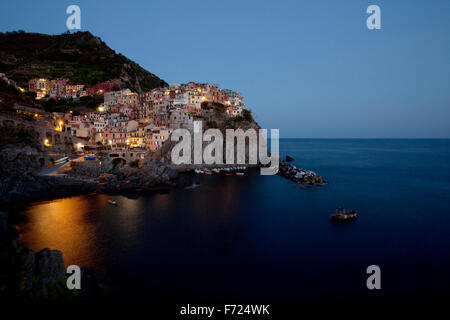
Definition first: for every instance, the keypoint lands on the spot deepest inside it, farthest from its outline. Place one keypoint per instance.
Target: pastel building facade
(180, 118)
(156, 138)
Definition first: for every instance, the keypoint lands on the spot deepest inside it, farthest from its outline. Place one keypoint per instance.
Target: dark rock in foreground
(44, 278)
(50, 272)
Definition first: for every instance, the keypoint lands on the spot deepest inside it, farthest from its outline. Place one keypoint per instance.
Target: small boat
(91, 157)
(206, 171)
(198, 171)
(228, 174)
(240, 173)
(341, 215)
(112, 201)
(61, 160)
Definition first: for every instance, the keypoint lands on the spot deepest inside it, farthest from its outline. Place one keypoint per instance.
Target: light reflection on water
(266, 237)
(81, 226)
(154, 229)
(66, 225)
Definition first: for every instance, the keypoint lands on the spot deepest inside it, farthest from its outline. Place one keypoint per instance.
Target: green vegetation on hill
(247, 115)
(80, 57)
(10, 96)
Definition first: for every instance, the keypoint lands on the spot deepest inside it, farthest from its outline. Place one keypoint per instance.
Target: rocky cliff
(213, 116)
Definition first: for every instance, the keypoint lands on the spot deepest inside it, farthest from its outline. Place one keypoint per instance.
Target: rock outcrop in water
(151, 175)
(298, 175)
(289, 159)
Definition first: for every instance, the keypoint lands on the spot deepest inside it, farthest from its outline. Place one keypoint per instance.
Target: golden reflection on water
(81, 227)
(61, 224)
(87, 228)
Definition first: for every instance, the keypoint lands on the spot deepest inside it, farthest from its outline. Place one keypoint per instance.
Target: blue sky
(310, 68)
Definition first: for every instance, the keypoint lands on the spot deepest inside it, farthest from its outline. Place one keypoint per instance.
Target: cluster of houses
(61, 88)
(128, 119)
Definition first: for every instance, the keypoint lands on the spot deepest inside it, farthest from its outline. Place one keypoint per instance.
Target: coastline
(252, 211)
(152, 177)
(32, 187)
(48, 266)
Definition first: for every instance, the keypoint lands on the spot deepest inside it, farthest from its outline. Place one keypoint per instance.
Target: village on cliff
(127, 120)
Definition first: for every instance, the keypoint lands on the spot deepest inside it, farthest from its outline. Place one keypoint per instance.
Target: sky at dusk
(310, 68)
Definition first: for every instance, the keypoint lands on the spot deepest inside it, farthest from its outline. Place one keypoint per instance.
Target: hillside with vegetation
(80, 57)
(10, 96)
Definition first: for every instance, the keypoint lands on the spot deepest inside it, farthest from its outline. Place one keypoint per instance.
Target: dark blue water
(264, 237)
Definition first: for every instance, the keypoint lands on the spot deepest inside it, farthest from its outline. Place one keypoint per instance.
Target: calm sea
(264, 237)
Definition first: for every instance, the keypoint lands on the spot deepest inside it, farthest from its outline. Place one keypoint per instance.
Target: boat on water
(198, 171)
(228, 174)
(112, 201)
(342, 215)
(206, 171)
(240, 173)
(216, 170)
(90, 157)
